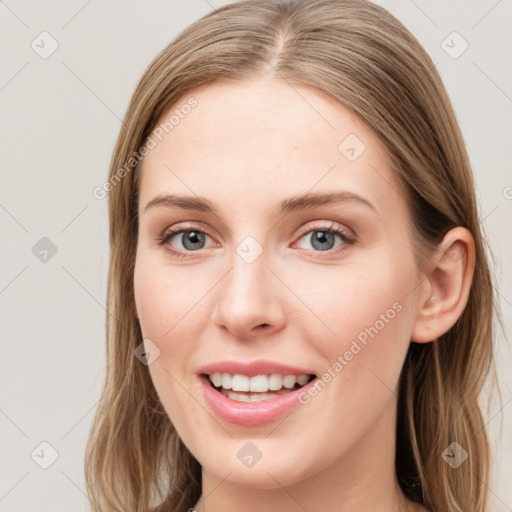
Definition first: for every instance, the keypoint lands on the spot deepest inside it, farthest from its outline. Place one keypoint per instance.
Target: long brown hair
(362, 56)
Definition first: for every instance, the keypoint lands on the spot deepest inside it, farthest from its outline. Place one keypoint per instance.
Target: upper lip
(253, 368)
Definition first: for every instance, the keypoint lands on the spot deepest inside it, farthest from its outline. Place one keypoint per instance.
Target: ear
(445, 291)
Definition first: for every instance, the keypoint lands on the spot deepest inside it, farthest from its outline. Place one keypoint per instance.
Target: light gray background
(59, 120)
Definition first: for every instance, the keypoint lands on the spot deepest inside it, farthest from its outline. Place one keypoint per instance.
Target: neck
(362, 478)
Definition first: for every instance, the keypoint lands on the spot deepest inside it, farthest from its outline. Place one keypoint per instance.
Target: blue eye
(322, 239)
(191, 239)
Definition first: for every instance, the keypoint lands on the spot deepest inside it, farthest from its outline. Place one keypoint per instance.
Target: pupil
(192, 239)
(322, 237)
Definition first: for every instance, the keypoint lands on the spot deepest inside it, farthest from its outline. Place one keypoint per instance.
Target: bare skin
(246, 147)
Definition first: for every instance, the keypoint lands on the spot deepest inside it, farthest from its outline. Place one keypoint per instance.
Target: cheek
(172, 306)
(370, 318)
(165, 316)
(163, 298)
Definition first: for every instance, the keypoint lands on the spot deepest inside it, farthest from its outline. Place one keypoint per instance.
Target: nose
(248, 304)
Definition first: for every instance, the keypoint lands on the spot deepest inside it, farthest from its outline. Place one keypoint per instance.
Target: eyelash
(167, 234)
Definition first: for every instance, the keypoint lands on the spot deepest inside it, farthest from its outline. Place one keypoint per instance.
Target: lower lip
(251, 414)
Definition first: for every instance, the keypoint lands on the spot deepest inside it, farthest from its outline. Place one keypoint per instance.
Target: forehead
(259, 141)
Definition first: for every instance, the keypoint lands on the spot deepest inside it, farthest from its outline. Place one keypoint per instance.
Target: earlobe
(448, 284)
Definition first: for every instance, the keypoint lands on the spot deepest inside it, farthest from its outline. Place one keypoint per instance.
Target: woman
(300, 304)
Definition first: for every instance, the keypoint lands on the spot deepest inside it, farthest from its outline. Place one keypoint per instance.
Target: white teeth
(240, 383)
(257, 383)
(302, 379)
(289, 381)
(216, 378)
(275, 382)
(226, 380)
(253, 397)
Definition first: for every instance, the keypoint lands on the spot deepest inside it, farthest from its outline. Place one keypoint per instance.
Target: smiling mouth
(240, 394)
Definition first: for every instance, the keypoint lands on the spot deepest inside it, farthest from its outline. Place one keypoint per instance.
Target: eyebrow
(291, 204)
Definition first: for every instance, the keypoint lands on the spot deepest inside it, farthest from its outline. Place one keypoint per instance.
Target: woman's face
(264, 278)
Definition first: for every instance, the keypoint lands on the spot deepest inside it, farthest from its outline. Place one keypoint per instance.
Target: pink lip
(254, 368)
(251, 414)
